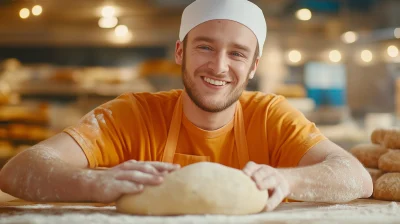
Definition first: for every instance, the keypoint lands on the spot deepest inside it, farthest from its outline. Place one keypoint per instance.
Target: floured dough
(199, 188)
(390, 161)
(387, 187)
(389, 138)
(375, 173)
(368, 154)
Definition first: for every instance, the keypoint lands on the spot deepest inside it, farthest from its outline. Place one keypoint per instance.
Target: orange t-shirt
(135, 126)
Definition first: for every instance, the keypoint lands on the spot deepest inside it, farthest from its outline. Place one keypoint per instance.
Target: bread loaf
(368, 154)
(389, 138)
(377, 136)
(390, 161)
(387, 187)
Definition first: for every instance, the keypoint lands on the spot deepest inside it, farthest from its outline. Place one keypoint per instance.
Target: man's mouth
(214, 81)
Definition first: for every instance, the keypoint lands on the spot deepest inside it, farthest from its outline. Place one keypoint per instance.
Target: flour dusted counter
(358, 211)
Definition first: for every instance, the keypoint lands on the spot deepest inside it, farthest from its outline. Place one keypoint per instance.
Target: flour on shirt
(97, 119)
(313, 135)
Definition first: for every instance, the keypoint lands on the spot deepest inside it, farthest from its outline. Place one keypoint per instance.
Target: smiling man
(139, 136)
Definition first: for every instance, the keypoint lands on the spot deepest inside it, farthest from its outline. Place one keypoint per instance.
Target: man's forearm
(39, 175)
(337, 179)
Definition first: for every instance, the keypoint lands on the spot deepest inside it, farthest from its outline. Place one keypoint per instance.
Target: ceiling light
(303, 14)
(24, 13)
(397, 33)
(392, 51)
(335, 56)
(37, 10)
(294, 56)
(108, 11)
(366, 55)
(349, 37)
(108, 22)
(121, 31)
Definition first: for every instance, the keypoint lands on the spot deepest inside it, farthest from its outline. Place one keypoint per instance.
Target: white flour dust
(95, 120)
(25, 175)
(92, 119)
(99, 117)
(297, 212)
(344, 184)
(107, 111)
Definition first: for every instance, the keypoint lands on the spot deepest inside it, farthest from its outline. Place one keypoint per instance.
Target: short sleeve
(103, 133)
(290, 134)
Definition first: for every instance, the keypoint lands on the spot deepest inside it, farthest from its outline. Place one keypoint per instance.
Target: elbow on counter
(357, 183)
(367, 184)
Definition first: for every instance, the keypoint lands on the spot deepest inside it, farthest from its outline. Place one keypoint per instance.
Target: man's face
(217, 60)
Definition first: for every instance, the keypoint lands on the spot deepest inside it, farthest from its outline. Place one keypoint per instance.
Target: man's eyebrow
(211, 40)
(241, 47)
(203, 38)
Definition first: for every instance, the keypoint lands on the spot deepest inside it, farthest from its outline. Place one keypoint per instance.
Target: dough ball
(387, 187)
(390, 161)
(368, 154)
(199, 188)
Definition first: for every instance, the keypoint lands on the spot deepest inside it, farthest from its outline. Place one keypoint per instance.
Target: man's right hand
(127, 178)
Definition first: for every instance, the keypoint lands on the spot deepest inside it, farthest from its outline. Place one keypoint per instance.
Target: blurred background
(335, 60)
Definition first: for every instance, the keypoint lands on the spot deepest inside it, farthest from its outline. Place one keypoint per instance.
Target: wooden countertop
(358, 211)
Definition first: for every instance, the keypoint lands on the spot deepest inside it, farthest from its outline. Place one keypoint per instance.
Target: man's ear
(179, 52)
(253, 70)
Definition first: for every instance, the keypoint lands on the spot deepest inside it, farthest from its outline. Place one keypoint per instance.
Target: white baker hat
(241, 11)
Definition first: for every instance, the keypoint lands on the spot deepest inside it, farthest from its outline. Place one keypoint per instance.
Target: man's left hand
(271, 179)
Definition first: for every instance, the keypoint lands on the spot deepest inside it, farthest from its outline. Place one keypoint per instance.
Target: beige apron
(173, 135)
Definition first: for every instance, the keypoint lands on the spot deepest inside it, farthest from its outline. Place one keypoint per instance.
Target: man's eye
(205, 47)
(237, 54)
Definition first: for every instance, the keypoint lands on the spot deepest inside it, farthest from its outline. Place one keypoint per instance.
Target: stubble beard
(199, 101)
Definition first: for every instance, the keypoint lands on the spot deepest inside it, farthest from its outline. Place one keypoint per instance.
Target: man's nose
(219, 63)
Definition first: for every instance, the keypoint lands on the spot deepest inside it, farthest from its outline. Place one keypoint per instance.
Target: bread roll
(368, 154)
(387, 187)
(377, 136)
(390, 161)
(389, 138)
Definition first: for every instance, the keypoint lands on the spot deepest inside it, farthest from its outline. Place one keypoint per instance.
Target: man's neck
(203, 119)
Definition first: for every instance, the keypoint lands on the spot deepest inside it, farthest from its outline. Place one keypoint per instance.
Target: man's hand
(269, 178)
(127, 178)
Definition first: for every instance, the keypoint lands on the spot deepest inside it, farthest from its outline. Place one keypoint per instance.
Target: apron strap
(240, 137)
(173, 133)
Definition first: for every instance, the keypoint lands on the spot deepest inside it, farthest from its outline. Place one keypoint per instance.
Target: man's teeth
(214, 82)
